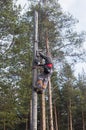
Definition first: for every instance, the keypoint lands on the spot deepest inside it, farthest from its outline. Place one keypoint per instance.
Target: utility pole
(34, 94)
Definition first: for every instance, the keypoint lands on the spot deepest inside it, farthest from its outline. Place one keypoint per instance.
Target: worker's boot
(39, 84)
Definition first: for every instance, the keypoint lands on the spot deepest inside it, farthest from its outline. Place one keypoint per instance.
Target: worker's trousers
(42, 80)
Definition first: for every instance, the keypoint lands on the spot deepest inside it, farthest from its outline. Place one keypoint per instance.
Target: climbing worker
(43, 77)
(48, 64)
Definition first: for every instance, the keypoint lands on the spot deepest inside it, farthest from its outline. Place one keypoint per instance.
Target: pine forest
(42, 28)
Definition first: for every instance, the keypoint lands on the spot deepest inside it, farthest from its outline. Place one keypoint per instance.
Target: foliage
(16, 62)
(16, 38)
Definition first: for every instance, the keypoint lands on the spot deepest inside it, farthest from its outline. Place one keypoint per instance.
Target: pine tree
(81, 103)
(15, 57)
(67, 96)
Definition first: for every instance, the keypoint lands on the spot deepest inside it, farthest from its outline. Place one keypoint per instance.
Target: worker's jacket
(48, 64)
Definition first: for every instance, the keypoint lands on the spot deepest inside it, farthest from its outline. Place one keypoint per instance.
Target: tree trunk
(43, 112)
(50, 105)
(31, 115)
(26, 124)
(4, 124)
(34, 94)
(70, 116)
(83, 120)
(68, 121)
(49, 82)
(47, 123)
(56, 121)
(49, 88)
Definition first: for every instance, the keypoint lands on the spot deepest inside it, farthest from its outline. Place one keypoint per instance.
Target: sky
(78, 9)
(22, 2)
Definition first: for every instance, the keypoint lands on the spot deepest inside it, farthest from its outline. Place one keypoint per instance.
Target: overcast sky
(78, 9)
